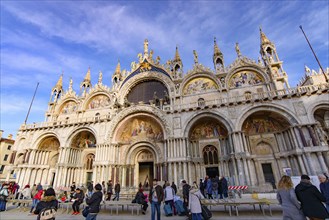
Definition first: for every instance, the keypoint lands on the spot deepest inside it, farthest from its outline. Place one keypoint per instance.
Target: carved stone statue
(71, 84)
(195, 57)
(237, 49)
(100, 77)
(307, 70)
(146, 49)
(133, 66)
(157, 61)
(151, 55)
(140, 58)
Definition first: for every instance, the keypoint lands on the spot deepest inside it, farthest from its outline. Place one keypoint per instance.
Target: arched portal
(47, 156)
(261, 130)
(208, 138)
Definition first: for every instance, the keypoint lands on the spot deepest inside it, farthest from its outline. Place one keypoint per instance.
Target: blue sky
(40, 39)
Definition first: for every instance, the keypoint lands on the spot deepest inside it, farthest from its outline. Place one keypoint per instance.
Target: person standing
(287, 198)
(90, 188)
(27, 192)
(194, 204)
(155, 198)
(214, 188)
(103, 190)
(324, 188)
(77, 200)
(94, 202)
(186, 191)
(209, 188)
(173, 185)
(224, 185)
(201, 185)
(169, 194)
(109, 190)
(311, 199)
(117, 191)
(4, 193)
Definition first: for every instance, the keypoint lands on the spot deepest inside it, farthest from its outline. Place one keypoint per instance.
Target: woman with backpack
(47, 206)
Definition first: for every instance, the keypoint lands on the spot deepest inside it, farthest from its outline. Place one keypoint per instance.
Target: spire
(59, 84)
(177, 56)
(217, 52)
(100, 77)
(118, 68)
(87, 77)
(218, 58)
(263, 38)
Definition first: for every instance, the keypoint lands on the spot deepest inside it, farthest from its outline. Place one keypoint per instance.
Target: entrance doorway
(89, 177)
(145, 173)
(212, 172)
(268, 174)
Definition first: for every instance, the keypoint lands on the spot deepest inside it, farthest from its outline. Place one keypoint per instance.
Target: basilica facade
(242, 121)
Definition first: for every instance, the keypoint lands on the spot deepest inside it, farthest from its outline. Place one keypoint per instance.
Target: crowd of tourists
(305, 200)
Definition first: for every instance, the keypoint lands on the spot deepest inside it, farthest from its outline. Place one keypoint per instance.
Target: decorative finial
(196, 61)
(237, 49)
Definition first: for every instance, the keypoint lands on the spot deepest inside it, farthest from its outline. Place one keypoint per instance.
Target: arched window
(89, 161)
(210, 155)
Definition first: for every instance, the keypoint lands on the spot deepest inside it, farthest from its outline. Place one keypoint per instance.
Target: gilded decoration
(140, 128)
(99, 101)
(49, 143)
(245, 78)
(69, 107)
(199, 84)
(208, 129)
(257, 125)
(84, 139)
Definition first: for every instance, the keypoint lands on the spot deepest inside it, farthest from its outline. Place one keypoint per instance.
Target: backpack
(48, 213)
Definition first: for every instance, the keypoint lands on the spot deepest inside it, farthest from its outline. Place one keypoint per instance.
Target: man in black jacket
(155, 198)
(94, 202)
(311, 199)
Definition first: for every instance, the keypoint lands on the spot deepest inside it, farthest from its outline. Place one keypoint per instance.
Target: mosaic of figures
(69, 107)
(50, 143)
(99, 101)
(84, 139)
(256, 125)
(140, 128)
(242, 79)
(208, 129)
(198, 85)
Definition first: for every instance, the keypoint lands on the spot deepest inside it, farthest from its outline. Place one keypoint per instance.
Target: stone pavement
(245, 213)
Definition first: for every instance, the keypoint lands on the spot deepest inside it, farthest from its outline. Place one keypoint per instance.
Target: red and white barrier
(238, 187)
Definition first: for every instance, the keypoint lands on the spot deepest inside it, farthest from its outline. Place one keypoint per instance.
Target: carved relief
(262, 149)
(199, 84)
(243, 79)
(145, 156)
(177, 122)
(299, 108)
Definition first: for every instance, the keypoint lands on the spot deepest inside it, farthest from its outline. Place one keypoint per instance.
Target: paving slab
(245, 213)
